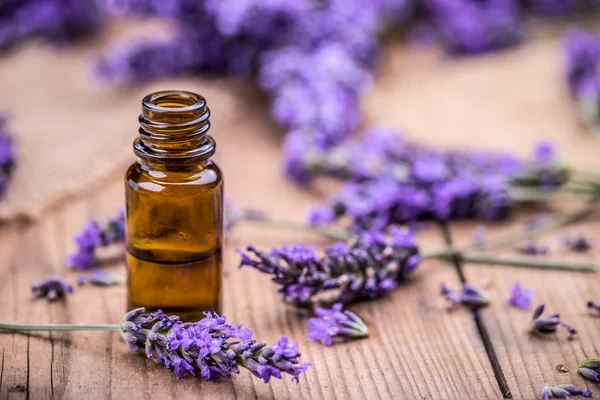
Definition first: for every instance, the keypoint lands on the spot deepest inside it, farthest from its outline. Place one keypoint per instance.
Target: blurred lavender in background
(55, 21)
(7, 155)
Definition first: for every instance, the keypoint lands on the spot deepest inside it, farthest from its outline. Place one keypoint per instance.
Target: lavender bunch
(590, 369)
(55, 21)
(335, 322)
(209, 348)
(7, 155)
(52, 288)
(363, 268)
(96, 234)
(581, 53)
(541, 326)
(564, 392)
(391, 181)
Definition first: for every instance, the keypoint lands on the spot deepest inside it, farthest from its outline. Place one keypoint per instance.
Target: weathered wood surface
(416, 349)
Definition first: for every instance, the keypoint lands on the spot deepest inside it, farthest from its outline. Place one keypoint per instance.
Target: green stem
(528, 262)
(58, 327)
(332, 232)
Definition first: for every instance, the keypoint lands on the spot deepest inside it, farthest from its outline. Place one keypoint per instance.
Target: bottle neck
(173, 129)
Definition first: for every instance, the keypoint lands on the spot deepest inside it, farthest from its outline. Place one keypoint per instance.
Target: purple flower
(593, 305)
(576, 242)
(96, 234)
(520, 297)
(590, 369)
(98, 277)
(469, 295)
(335, 322)
(545, 153)
(52, 288)
(209, 348)
(541, 326)
(532, 248)
(564, 392)
(365, 267)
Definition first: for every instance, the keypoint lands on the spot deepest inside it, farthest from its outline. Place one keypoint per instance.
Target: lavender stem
(59, 327)
(529, 262)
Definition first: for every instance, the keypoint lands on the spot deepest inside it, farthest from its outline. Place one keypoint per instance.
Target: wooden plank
(530, 362)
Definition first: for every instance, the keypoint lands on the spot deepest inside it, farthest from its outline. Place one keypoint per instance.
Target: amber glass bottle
(174, 197)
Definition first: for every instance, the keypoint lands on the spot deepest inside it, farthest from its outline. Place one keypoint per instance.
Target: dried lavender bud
(52, 288)
(362, 268)
(532, 248)
(209, 348)
(469, 295)
(99, 277)
(520, 297)
(593, 305)
(541, 326)
(96, 234)
(335, 322)
(576, 242)
(590, 369)
(563, 392)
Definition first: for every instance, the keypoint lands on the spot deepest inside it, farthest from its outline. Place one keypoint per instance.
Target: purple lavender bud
(576, 242)
(590, 369)
(541, 326)
(52, 288)
(593, 305)
(469, 296)
(520, 297)
(335, 322)
(564, 392)
(358, 269)
(545, 153)
(532, 248)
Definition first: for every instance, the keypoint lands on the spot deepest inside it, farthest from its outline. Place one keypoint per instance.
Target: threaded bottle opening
(173, 125)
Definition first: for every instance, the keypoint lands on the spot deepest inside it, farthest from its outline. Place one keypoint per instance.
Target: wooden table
(416, 350)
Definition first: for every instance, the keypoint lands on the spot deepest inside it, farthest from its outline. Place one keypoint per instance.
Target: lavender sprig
(362, 268)
(590, 369)
(52, 288)
(468, 295)
(593, 305)
(335, 322)
(96, 234)
(541, 326)
(209, 348)
(563, 392)
(576, 242)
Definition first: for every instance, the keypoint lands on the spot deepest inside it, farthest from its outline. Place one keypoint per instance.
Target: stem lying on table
(59, 327)
(528, 262)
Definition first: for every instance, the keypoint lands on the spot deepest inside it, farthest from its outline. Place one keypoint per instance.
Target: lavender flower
(335, 322)
(590, 369)
(468, 295)
(52, 288)
(520, 297)
(363, 268)
(54, 21)
(541, 326)
(593, 305)
(564, 392)
(532, 248)
(96, 234)
(7, 155)
(98, 277)
(467, 27)
(209, 348)
(577, 242)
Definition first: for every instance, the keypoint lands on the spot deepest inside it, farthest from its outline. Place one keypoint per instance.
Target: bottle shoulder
(142, 176)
